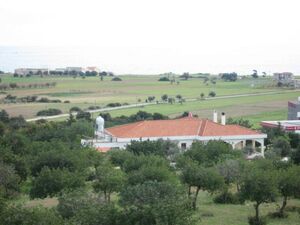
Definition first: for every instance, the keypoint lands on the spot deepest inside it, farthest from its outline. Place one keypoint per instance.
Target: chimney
(223, 119)
(215, 116)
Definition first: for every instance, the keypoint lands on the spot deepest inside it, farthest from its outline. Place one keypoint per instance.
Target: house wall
(184, 142)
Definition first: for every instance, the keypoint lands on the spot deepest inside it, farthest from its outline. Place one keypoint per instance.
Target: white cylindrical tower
(215, 116)
(223, 119)
(99, 131)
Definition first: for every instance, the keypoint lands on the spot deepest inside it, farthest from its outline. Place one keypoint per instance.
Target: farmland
(132, 89)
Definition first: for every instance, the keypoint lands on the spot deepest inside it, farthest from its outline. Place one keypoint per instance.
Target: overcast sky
(163, 35)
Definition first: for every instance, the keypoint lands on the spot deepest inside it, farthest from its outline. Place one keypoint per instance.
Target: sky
(155, 36)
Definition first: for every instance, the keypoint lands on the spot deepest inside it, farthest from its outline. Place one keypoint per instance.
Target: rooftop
(285, 124)
(188, 126)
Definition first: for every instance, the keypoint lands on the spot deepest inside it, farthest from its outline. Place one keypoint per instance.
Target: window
(183, 145)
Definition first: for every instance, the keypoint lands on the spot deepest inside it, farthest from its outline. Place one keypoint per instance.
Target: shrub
(75, 109)
(116, 79)
(117, 104)
(67, 101)
(44, 100)
(254, 221)
(164, 79)
(49, 112)
(227, 198)
(212, 94)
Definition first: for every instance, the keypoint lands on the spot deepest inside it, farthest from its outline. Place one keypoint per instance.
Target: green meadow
(91, 91)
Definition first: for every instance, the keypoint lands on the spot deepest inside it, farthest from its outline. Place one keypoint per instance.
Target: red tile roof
(103, 149)
(188, 126)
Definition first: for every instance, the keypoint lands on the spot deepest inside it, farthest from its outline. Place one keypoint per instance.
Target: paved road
(153, 103)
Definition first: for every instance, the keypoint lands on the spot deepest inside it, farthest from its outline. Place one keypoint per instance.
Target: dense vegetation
(151, 182)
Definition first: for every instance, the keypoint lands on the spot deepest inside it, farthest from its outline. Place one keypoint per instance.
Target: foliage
(296, 156)
(116, 79)
(155, 203)
(16, 215)
(51, 182)
(149, 172)
(288, 185)
(241, 122)
(71, 203)
(108, 180)
(281, 146)
(227, 198)
(212, 94)
(229, 76)
(160, 147)
(206, 179)
(259, 185)
(164, 79)
(211, 153)
(49, 112)
(9, 181)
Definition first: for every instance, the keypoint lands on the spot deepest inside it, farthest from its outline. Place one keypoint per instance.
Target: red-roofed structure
(184, 131)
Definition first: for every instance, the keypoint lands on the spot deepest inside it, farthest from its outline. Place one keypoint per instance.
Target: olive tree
(288, 185)
(260, 186)
(206, 179)
(108, 180)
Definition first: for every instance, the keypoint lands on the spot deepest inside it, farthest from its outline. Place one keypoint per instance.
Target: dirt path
(153, 103)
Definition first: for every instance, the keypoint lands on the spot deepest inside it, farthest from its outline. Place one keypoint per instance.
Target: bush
(254, 221)
(116, 79)
(279, 215)
(75, 109)
(117, 104)
(212, 94)
(164, 79)
(227, 198)
(44, 100)
(49, 112)
(67, 101)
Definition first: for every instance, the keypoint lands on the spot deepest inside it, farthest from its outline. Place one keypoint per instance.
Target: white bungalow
(183, 131)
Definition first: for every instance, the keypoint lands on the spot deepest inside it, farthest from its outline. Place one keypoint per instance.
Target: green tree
(16, 215)
(108, 180)
(212, 94)
(164, 97)
(155, 203)
(149, 172)
(281, 146)
(4, 117)
(206, 179)
(259, 185)
(296, 156)
(52, 182)
(288, 185)
(202, 95)
(9, 181)
(171, 100)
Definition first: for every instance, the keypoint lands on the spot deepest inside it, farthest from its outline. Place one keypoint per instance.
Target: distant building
(283, 77)
(92, 69)
(293, 122)
(31, 71)
(286, 125)
(286, 79)
(182, 131)
(75, 69)
(294, 110)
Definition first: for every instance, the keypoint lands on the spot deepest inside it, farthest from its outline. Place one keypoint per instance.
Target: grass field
(93, 92)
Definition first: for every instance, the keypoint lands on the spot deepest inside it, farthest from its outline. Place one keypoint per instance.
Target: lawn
(210, 213)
